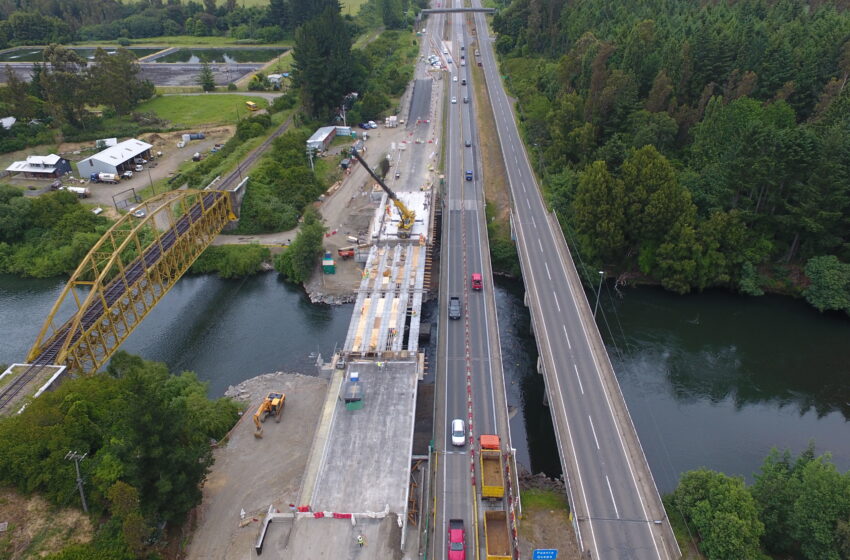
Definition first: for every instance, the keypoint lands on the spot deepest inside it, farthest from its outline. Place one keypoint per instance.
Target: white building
(41, 167)
(115, 159)
(322, 138)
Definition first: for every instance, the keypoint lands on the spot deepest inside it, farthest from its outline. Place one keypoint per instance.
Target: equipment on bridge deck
(272, 404)
(492, 470)
(407, 215)
(497, 537)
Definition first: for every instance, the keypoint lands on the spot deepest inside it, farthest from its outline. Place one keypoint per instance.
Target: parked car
(138, 168)
(127, 175)
(138, 212)
(364, 126)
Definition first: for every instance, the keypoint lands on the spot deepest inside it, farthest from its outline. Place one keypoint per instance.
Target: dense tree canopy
(300, 258)
(746, 105)
(147, 434)
(796, 508)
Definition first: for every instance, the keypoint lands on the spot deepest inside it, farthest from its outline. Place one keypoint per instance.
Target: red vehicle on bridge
(476, 281)
(457, 546)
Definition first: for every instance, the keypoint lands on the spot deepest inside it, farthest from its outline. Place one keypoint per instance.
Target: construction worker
(360, 541)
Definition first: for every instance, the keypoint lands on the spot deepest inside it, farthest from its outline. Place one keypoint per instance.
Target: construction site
(360, 478)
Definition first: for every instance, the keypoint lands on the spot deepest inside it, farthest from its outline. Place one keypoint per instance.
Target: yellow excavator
(272, 404)
(407, 215)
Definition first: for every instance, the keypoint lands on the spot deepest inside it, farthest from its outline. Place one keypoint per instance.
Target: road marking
(558, 305)
(547, 270)
(592, 429)
(527, 203)
(567, 337)
(616, 511)
(541, 244)
(523, 188)
(533, 223)
(581, 387)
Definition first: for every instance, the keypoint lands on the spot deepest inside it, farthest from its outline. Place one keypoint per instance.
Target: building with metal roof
(41, 167)
(115, 159)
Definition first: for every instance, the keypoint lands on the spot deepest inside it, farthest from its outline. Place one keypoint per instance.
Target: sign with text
(545, 554)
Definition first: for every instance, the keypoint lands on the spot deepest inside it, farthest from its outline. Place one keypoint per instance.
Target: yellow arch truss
(126, 273)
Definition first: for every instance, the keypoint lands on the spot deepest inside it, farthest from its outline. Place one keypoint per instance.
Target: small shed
(7, 122)
(322, 138)
(41, 167)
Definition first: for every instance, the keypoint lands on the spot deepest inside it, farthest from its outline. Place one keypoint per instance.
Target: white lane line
(592, 429)
(541, 244)
(547, 270)
(527, 203)
(581, 387)
(533, 223)
(558, 305)
(523, 188)
(616, 511)
(567, 337)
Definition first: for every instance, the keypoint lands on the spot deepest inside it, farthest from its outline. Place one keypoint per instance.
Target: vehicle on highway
(454, 99)
(457, 536)
(492, 468)
(463, 82)
(454, 307)
(497, 542)
(454, 79)
(469, 175)
(466, 100)
(445, 51)
(477, 284)
(468, 143)
(463, 63)
(458, 432)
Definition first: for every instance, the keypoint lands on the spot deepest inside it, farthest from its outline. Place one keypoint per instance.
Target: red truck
(476, 281)
(457, 545)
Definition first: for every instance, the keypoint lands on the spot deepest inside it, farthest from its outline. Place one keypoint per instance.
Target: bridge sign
(545, 554)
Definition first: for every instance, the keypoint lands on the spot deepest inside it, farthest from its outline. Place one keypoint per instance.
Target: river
(711, 380)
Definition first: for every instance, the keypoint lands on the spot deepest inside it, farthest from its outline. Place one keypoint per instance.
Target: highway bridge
(616, 507)
(457, 10)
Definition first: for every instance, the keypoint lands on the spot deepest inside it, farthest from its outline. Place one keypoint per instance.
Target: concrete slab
(366, 462)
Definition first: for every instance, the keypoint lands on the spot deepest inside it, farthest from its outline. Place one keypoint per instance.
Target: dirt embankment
(35, 527)
(545, 517)
(249, 473)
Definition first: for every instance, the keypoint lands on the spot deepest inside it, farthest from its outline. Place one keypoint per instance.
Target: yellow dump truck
(492, 471)
(497, 536)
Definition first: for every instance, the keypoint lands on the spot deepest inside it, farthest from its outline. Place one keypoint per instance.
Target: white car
(458, 432)
(454, 79)
(454, 99)
(138, 212)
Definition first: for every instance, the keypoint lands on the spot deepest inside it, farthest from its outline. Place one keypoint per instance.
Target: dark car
(468, 143)
(364, 126)
(469, 175)
(454, 307)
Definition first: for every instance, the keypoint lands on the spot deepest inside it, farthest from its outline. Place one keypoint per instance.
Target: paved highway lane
(607, 492)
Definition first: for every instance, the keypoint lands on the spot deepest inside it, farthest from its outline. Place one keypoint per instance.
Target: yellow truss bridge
(125, 274)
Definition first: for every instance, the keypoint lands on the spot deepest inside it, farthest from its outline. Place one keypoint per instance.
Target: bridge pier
(237, 195)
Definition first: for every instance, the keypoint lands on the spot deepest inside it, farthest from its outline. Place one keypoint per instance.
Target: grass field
(544, 499)
(208, 109)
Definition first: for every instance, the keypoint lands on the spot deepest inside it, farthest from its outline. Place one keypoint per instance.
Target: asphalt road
(469, 347)
(611, 489)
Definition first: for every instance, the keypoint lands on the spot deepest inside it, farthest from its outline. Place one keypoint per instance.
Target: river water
(711, 380)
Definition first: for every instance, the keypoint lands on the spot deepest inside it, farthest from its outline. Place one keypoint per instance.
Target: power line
(76, 457)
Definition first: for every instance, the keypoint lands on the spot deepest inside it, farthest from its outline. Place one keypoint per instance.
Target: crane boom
(408, 216)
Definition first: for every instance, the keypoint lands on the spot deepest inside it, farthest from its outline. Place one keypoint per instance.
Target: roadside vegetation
(231, 261)
(297, 262)
(46, 235)
(697, 147)
(798, 507)
(147, 436)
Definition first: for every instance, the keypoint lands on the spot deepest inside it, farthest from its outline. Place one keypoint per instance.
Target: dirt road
(250, 474)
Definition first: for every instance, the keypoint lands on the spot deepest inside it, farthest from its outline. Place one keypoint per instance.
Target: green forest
(695, 144)
(147, 436)
(797, 507)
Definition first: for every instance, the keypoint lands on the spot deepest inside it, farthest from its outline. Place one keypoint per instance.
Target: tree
(830, 283)
(206, 78)
(723, 512)
(299, 259)
(321, 60)
(64, 84)
(113, 80)
(598, 211)
(823, 501)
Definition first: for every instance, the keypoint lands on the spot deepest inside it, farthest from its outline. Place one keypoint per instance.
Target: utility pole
(310, 155)
(76, 457)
